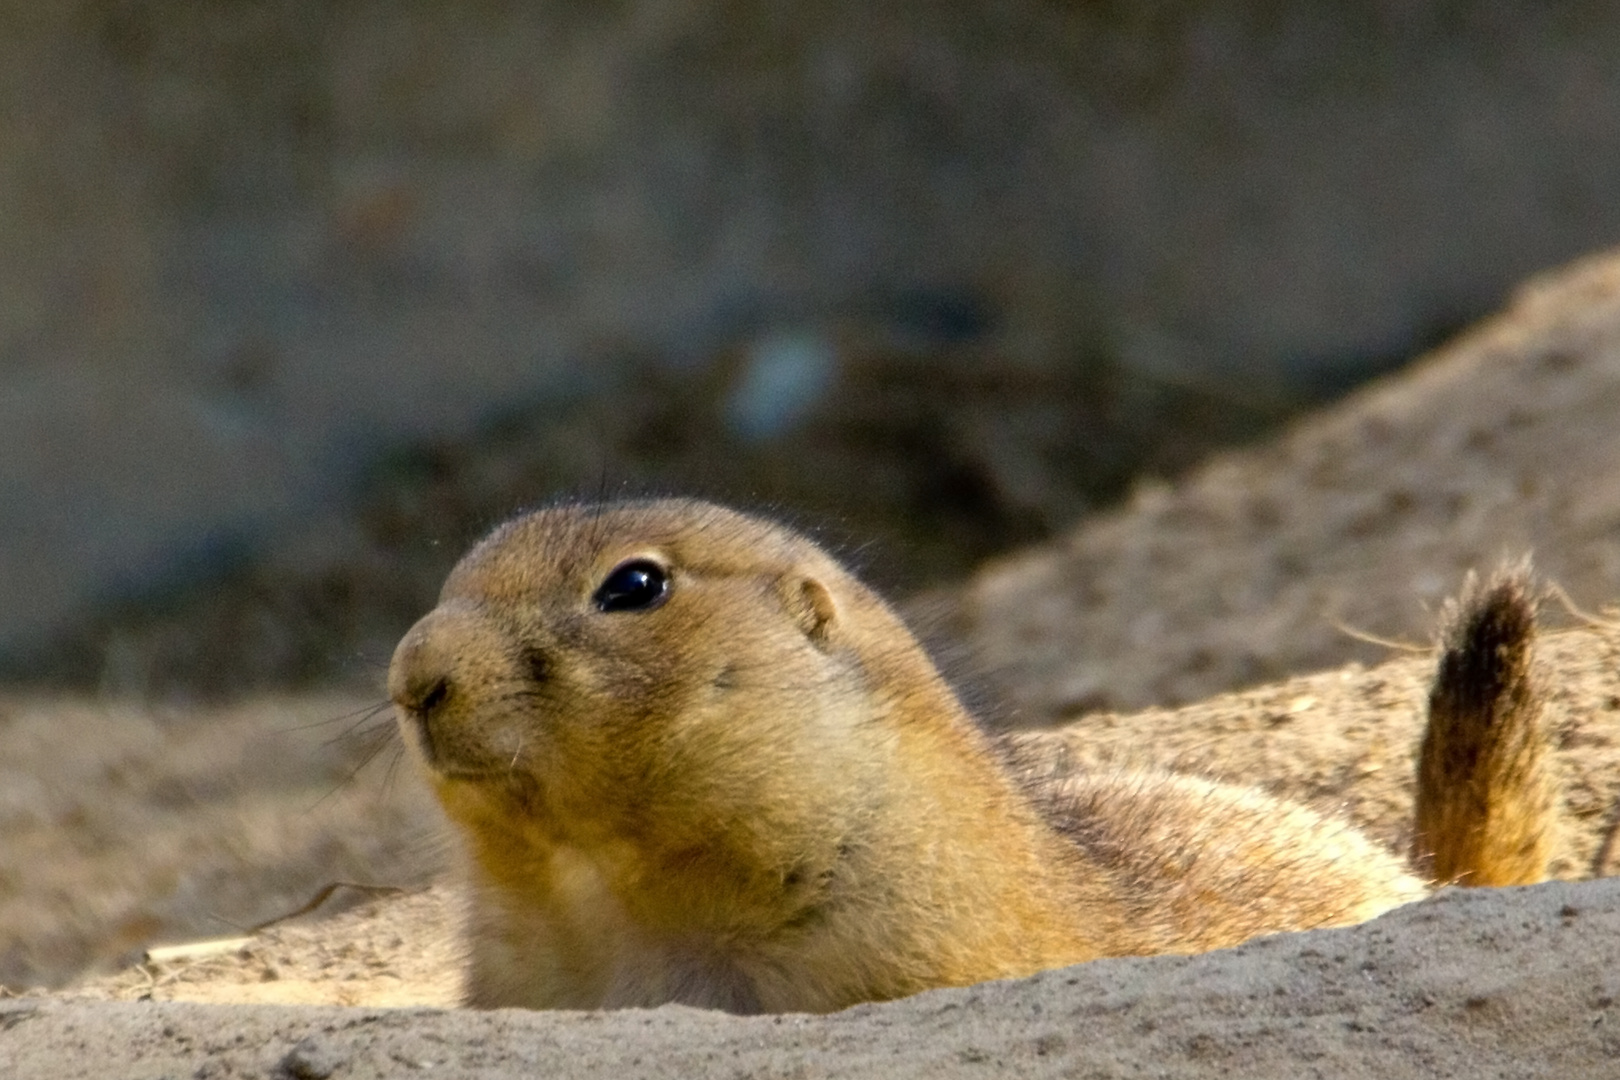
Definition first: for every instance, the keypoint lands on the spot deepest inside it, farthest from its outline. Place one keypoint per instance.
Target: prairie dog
(694, 760)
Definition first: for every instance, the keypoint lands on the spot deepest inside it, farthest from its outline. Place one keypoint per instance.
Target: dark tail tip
(1485, 797)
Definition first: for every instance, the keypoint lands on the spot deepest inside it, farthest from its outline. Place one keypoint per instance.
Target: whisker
(375, 740)
(365, 712)
(363, 727)
(393, 769)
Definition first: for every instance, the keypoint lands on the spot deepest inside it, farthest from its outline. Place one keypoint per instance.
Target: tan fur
(760, 795)
(1485, 793)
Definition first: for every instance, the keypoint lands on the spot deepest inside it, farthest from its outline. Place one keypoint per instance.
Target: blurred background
(297, 299)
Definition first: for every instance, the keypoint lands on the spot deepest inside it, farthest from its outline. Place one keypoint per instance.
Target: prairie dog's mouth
(449, 767)
(453, 756)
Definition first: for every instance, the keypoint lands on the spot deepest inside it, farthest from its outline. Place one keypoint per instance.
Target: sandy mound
(1503, 982)
(1507, 440)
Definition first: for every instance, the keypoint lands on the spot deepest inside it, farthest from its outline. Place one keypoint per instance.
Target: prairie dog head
(665, 674)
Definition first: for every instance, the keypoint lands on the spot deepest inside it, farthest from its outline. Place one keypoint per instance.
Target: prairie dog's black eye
(636, 585)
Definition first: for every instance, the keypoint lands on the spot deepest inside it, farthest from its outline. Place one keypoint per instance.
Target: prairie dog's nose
(447, 671)
(419, 675)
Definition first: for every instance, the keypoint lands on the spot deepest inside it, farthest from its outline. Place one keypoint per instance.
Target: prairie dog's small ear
(810, 605)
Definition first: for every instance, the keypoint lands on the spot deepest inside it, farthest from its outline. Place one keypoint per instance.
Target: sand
(1509, 982)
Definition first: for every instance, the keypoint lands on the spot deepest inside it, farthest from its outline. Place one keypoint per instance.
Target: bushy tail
(1486, 796)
